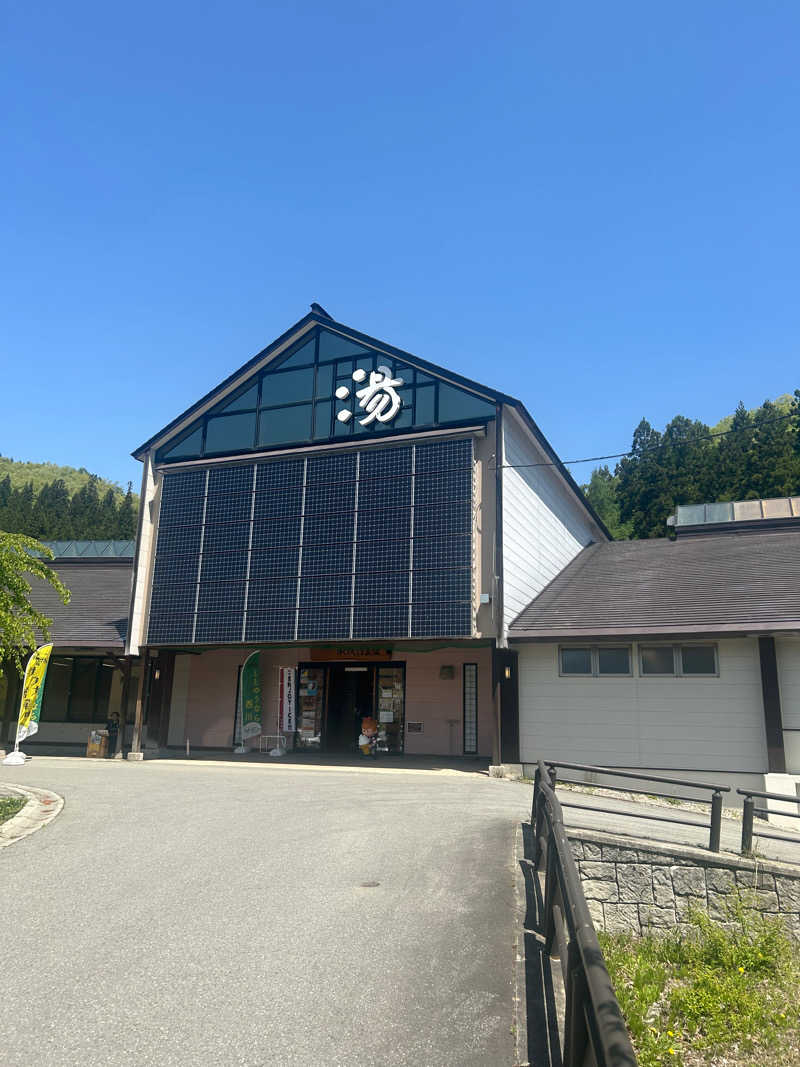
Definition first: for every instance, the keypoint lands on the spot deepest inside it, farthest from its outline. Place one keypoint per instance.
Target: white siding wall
(788, 652)
(544, 526)
(666, 723)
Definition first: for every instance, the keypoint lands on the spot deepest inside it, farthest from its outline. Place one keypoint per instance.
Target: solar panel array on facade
(366, 544)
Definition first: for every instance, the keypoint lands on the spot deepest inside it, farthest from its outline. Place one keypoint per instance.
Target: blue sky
(593, 207)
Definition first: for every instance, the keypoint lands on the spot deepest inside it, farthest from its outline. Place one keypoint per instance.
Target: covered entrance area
(334, 698)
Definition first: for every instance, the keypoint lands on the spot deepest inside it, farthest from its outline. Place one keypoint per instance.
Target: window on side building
(679, 661)
(698, 659)
(595, 661)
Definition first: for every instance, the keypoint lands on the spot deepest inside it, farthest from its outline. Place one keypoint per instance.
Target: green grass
(10, 806)
(721, 993)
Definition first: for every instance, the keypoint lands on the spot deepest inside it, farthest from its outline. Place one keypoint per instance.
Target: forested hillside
(748, 455)
(53, 513)
(21, 472)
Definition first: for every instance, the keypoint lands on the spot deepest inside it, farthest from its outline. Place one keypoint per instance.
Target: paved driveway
(188, 913)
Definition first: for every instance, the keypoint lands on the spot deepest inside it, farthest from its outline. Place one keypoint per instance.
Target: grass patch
(719, 994)
(10, 806)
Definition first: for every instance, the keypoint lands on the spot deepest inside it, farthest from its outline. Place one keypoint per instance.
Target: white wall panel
(669, 723)
(544, 526)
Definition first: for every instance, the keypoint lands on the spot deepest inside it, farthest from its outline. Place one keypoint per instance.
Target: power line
(652, 448)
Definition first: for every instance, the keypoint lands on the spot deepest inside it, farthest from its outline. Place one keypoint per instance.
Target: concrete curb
(41, 808)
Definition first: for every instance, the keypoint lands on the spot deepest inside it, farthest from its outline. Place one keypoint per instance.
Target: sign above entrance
(350, 652)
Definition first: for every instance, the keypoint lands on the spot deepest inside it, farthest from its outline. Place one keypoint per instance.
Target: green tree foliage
(20, 473)
(686, 464)
(602, 495)
(21, 625)
(55, 514)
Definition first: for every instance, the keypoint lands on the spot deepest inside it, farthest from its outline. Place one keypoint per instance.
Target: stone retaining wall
(639, 888)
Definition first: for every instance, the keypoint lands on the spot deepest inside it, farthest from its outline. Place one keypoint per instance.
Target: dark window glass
(322, 419)
(188, 448)
(657, 659)
(244, 401)
(324, 385)
(425, 400)
(455, 405)
(287, 387)
(613, 661)
(283, 425)
(332, 346)
(576, 661)
(229, 433)
(698, 659)
(81, 704)
(302, 356)
(56, 690)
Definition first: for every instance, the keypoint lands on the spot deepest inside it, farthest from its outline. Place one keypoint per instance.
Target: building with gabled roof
(672, 655)
(365, 518)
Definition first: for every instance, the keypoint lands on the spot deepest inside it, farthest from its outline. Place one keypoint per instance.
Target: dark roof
(97, 614)
(318, 316)
(732, 582)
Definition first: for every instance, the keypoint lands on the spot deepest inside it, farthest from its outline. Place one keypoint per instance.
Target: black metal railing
(715, 800)
(594, 1027)
(749, 811)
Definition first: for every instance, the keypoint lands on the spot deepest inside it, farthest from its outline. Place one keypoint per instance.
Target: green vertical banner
(251, 697)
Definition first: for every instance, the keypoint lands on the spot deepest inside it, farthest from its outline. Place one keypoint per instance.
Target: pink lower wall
(434, 701)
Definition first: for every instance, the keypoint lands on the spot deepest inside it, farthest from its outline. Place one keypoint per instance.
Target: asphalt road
(209, 914)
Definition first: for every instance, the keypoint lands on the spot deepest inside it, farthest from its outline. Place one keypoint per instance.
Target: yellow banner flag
(32, 692)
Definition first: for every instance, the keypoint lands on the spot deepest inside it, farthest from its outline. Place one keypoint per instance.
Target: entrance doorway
(351, 696)
(333, 698)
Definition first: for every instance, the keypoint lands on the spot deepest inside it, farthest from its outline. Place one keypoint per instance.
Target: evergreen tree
(772, 467)
(603, 496)
(85, 511)
(644, 492)
(731, 457)
(107, 517)
(126, 520)
(52, 512)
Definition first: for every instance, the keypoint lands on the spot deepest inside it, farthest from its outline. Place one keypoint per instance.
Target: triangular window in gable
(328, 388)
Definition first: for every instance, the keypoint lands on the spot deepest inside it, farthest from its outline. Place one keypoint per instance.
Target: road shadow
(544, 993)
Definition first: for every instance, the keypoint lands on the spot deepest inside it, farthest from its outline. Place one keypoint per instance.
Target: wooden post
(123, 706)
(136, 743)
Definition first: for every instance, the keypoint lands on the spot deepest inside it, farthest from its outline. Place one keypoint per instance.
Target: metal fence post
(575, 1032)
(747, 824)
(716, 821)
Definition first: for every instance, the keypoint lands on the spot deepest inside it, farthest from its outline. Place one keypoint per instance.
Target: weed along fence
(594, 1028)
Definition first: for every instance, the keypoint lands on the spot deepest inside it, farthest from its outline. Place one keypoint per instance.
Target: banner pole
(30, 705)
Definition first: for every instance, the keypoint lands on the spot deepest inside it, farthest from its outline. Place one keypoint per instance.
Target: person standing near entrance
(112, 726)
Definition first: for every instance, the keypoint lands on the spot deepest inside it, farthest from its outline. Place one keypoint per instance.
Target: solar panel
(363, 544)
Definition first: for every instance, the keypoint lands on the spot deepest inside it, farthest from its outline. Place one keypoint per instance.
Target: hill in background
(57, 503)
(38, 474)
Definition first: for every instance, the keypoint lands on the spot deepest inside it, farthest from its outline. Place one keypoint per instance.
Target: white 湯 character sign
(378, 397)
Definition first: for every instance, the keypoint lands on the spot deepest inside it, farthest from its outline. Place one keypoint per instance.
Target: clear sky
(593, 207)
